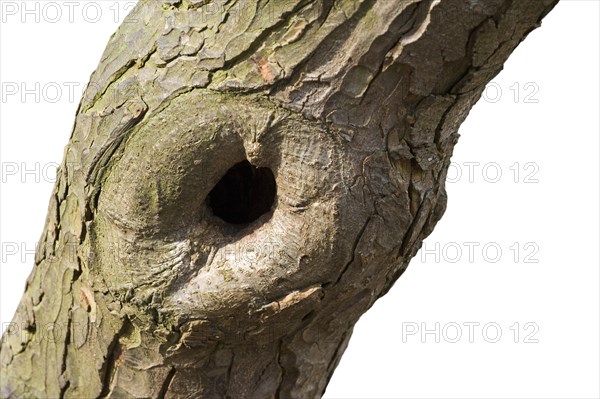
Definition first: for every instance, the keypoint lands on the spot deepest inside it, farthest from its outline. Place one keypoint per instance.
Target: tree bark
(141, 289)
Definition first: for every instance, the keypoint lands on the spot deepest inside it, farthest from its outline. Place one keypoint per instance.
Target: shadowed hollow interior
(243, 194)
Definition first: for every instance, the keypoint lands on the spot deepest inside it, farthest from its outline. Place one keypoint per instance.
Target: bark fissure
(165, 385)
(111, 362)
(354, 248)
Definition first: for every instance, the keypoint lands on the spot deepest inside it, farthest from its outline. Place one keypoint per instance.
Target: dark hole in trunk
(244, 194)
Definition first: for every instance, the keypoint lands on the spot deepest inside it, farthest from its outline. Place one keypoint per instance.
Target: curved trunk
(156, 280)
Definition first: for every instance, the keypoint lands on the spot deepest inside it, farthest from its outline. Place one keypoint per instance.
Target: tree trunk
(244, 179)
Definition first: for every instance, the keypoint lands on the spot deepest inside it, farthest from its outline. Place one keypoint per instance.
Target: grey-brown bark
(141, 291)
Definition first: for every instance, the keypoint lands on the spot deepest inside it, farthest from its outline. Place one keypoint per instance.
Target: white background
(544, 219)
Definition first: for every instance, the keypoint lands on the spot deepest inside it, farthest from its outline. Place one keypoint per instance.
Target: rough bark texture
(139, 290)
